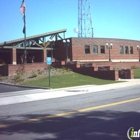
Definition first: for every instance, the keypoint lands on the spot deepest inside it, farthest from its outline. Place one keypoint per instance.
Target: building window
(121, 50)
(95, 49)
(102, 49)
(131, 50)
(87, 49)
(126, 50)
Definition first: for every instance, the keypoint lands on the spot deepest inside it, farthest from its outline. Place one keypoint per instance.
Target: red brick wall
(120, 65)
(8, 70)
(78, 49)
(60, 50)
(90, 71)
(109, 75)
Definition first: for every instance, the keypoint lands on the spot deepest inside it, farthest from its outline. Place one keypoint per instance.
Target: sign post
(49, 62)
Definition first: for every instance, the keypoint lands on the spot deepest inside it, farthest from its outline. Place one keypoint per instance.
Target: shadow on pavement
(96, 125)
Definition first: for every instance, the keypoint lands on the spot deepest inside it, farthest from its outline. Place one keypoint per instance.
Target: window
(102, 49)
(121, 50)
(87, 49)
(131, 50)
(95, 49)
(126, 50)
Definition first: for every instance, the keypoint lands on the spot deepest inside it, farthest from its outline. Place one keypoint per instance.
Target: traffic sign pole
(49, 76)
(49, 62)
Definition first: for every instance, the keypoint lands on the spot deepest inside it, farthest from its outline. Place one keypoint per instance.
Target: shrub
(34, 74)
(18, 78)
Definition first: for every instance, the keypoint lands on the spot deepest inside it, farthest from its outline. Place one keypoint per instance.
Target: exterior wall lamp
(66, 44)
(109, 46)
(52, 43)
(138, 48)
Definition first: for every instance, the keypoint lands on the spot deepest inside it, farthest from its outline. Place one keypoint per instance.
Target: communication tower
(85, 28)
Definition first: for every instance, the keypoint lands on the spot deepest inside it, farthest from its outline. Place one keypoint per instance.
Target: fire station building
(100, 51)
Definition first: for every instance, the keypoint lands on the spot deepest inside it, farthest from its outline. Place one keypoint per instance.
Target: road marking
(69, 113)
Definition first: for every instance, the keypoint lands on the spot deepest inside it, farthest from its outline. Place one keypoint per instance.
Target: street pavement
(8, 87)
(42, 94)
(105, 115)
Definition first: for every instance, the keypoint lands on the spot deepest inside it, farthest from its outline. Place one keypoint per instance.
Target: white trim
(112, 60)
(91, 60)
(125, 60)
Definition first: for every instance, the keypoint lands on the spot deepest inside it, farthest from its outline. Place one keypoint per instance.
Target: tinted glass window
(102, 49)
(87, 49)
(121, 50)
(95, 49)
(126, 50)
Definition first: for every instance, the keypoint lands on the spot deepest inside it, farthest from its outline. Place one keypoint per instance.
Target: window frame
(95, 49)
(102, 49)
(122, 50)
(132, 50)
(87, 49)
(126, 51)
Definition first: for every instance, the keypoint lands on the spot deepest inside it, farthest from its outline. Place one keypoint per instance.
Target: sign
(49, 60)
(132, 133)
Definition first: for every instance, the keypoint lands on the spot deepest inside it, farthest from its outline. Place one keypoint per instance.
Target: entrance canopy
(36, 40)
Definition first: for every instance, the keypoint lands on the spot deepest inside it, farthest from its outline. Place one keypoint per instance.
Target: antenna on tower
(85, 28)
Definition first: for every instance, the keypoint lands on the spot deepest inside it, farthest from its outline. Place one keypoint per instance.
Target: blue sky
(111, 18)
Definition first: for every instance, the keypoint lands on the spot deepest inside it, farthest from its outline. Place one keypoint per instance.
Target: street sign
(49, 60)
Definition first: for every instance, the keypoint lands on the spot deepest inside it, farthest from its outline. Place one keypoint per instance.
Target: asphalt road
(93, 116)
(11, 88)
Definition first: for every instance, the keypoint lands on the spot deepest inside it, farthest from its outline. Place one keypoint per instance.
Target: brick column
(14, 56)
(131, 74)
(44, 55)
(116, 75)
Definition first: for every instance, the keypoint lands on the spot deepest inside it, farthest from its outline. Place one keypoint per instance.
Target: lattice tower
(85, 28)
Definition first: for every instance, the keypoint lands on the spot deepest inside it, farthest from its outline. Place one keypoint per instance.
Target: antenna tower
(85, 28)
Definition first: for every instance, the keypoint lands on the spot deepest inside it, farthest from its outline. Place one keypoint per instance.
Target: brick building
(97, 50)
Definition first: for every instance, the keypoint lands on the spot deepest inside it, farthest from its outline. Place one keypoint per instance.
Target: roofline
(105, 38)
(35, 36)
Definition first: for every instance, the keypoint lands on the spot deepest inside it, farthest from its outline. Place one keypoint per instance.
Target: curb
(24, 86)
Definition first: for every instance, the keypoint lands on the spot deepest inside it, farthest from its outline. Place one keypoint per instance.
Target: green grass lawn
(68, 80)
(137, 73)
(73, 79)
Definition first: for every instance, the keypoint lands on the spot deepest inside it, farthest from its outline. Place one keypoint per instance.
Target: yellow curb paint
(69, 113)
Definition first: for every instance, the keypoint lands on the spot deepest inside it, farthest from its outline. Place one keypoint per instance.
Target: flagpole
(24, 31)
(25, 50)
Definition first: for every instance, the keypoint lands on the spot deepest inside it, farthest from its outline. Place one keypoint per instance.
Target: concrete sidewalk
(36, 95)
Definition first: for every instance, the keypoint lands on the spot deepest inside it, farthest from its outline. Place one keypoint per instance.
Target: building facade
(97, 49)
(97, 52)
